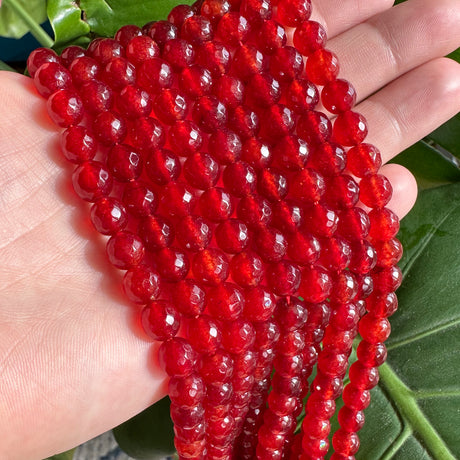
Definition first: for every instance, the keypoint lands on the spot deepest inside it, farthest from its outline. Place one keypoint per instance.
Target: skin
(73, 363)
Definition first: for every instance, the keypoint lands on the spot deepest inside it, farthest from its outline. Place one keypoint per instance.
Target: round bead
(160, 320)
(78, 144)
(201, 171)
(256, 10)
(83, 70)
(139, 199)
(382, 304)
(240, 179)
(225, 301)
(109, 128)
(233, 28)
(283, 278)
(264, 90)
(40, 56)
(314, 127)
(126, 33)
(203, 334)
(237, 336)
(247, 269)
(345, 442)
(229, 90)
(329, 159)
(69, 54)
(217, 367)
(209, 113)
(118, 73)
(316, 284)
(244, 122)
(232, 236)
(124, 163)
(179, 14)
(322, 67)
(216, 204)
(338, 96)
(155, 232)
(259, 304)
(96, 96)
(172, 264)
(179, 53)
(270, 36)
(371, 354)
(303, 248)
(162, 166)
(108, 216)
(210, 266)
(134, 102)
(350, 128)
(154, 74)
(375, 190)
(185, 137)
(147, 134)
(309, 37)
(197, 30)
(195, 81)
(356, 398)
(141, 284)
(193, 233)
(384, 224)
(105, 49)
(362, 377)
(161, 31)
(186, 391)
(92, 181)
(286, 64)
(51, 77)
(125, 250)
(65, 108)
(363, 159)
(225, 146)
(215, 56)
(189, 298)
(177, 358)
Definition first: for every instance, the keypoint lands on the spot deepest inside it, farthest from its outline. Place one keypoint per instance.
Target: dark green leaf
(148, 435)
(106, 16)
(429, 167)
(64, 456)
(68, 26)
(4, 66)
(448, 136)
(415, 411)
(455, 55)
(12, 26)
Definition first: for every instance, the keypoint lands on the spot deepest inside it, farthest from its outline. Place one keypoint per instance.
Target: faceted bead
(96, 96)
(263, 89)
(301, 96)
(270, 439)
(219, 452)
(134, 102)
(356, 398)
(291, 343)
(239, 179)
(389, 252)
(179, 14)
(272, 184)
(270, 36)
(316, 427)
(139, 199)
(364, 257)
(118, 73)
(65, 108)
(371, 354)
(363, 159)
(375, 190)
(332, 364)
(307, 185)
(287, 216)
(244, 121)
(256, 10)
(78, 144)
(217, 367)
(210, 266)
(229, 90)
(329, 159)
(219, 429)
(189, 417)
(338, 96)
(290, 153)
(329, 387)
(195, 81)
(124, 163)
(233, 28)
(108, 216)
(267, 331)
(293, 12)
(365, 287)
(201, 171)
(154, 74)
(197, 30)
(189, 298)
(185, 137)
(248, 61)
(320, 220)
(243, 367)
(382, 305)
(189, 450)
(215, 57)
(162, 166)
(316, 284)
(84, 69)
(350, 128)
(314, 127)
(237, 336)
(105, 50)
(256, 153)
(125, 250)
(177, 358)
(345, 317)
(216, 204)
(283, 278)
(362, 377)
(92, 181)
(270, 244)
(40, 56)
(232, 236)
(147, 134)
(288, 366)
(126, 33)
(384, 224)
(186, 391)
(320, 407)
(177, 200)
(170, 105)
(51, 77)
(203, 334)
(69, 54)
(309, 37)
(193, 233)
(140, 49)
(353, 224)
(254, 211)
(303, 248)
(345, 442)
(387, 279)
(259, 304)
(161, 31)
(160, 320)
(276, 121)
(335, 253)
(179, 53)
(209, 113)
(247, 269)
(279, 424)
(109, 128)
(345, 287)
(141, 284)
(322, 67)
(224, 146)
(215, 9)
(286, 64)
(172, 264)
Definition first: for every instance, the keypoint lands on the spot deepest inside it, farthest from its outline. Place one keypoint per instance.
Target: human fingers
(387, 45)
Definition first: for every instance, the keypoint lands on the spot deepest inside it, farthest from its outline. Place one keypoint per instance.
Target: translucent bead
(203, 333)
(185, 137)
(263, 89)
(384, 224)
(118, 73)
(51, 77)
(276, 121)
(362, 377)
(84, 69)
(210, 266)
(70, 53)
(162, 166)
(315, 447)
(328, 386)
(65, 108)
(387, 279)
(172, 264)
(354, 224)
(109, 128)
(244, 122)
(125, 250)
(320, 220)
(139, 199)
(216, 204)
(170, 105)
(186, 417)
(96, 96)
(215, 57)
(316, 284)
(256, 10)
(209, 113)
(40, 56)
(322, 67)
(224, 146)
(345, 442)
(160, 320)
(389, 252)
(154, 74)
(314, 127)
(233, 28)
(179, 14)
(363, 159)
(108, 216)
(161, 31)
(284, 278)
(382, 304)
(338, 96)
(189, 298)
(329, 159)
(215, 9)
(267, 331)
(375, 191)
(356, 398)
(91, 181)
(193, 233)
(309, 36)
(248, 61)
(364, 257)
(177, 358)
(237, 336)
(141, 284)
(217, 367)
(134, 102)
(232, 236)
(335, 253)
(124, 163)
(197, 30)
(179, 53)
(225, 301)
(259, 304)
(106, 49)
(126, 33)
(303, 248)
(247, 269)
(371, 354)
(195, 81)
(286, 64)
(78, 144)
(316, 427)
(239, 179)
(177, 199)
(270, 244)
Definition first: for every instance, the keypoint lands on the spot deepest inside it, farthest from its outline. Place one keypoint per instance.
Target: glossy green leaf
(64, 456)
(448, 136)
(12, 25)
(66, 19)
(415, 410)
(428, 165)
(455, 55)
(106, 16)
(149, 435)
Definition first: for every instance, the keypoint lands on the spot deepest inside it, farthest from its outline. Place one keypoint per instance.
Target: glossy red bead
(247, 269)
(160, 320)
(139, 199)
(65, 108)
(50, 77)
(316, 284)
(78, 144)
(233, 28)
(172, 264)
(309, 36)
(322, 67)
(125, 250)
(210, 266)
(177, 358)
(40, 56)
(141, 284)
(193, 233)
(108, 216)
(189, 298)
(91, 181)
(203, 333)
(162, 166)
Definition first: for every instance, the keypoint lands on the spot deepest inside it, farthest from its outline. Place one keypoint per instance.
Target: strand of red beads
(226, 193)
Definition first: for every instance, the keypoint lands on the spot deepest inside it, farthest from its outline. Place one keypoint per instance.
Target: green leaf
(5, 66)
(455, 55)
(429, 166)
(106, 16)
(448, 136)
(148, 435)
(66, 19)
(12, 25)
(414, 412)
(64, 456)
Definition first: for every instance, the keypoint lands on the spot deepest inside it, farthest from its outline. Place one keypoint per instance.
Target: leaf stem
(407, 404)
(398, 443)
(35, 29)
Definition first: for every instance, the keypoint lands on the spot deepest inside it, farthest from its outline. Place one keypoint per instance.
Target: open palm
(72, 363)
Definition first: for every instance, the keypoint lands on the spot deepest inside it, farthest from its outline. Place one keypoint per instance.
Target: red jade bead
(78, 144)
(322, 67)
(40, 56)
(309, 36)
(350, 128)
(65, 108)
(160, 320)
(109, 216)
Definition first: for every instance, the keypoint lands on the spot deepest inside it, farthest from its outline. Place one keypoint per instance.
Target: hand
(71, 362)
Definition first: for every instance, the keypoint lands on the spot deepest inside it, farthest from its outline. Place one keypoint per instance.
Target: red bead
(185, 417)
(256, 10)
(233, 28)
(263, 89)
(51, 77)
(239, 179)
(203, 334)
(338, 96)
(186, 391)
(248, 61)
(126, 33)
(320, 220)
(124, 163)
(244, 121)
(287, 216)
(316, 284)
(335, 253)
(118, 73)
(314, 127)
(78, 144)
(384, 224)
(139, 199)
(147, 134)
(322, 67)
(256, 153)
(362, 377)
(309, 37)
(319, 407)
(96, 96)
(69, 54)
(125, 250)
(278, 424)
(284, 278)
(363, 159)
(108, 216)
(209, 113)
(210, 266)
(162, 166)
(179, 53)
(172, 264)
(161, 31)
(375, 191)
(65, 108)
(134, 102)
(179, 14)
(224, 146)
(40, 56)
(216, 204)
(387, 279)
(356, 398)
(345, 287)
(389, 252)
(267, 331)
(382, 304)
(141, 284)
(286, 64)
(215, 9)
(345, 442)
(154, 74)
(259, 304)
(315, 447)
(92, 181)
(177, 199)
(232, 236)
(307, 186)
(237, 336)
(371, 354)
(215, 368)
(105, 49)
(189, 298)
(332, 364)
(229, 90)
(84, 69)
(276, 121)
(185, 137)
(293, 12)
(109, 128)
(316, 427)
(350, 128)
(354, 224)
(197, 30)
(363, 257)
(177, 358)
(329, 159)
(270, 244)
(201, 171)
(215, 57)
(247, 269)
(193, 233)
(219, 429)
(272, 184)
(160, 320)
(270, 36)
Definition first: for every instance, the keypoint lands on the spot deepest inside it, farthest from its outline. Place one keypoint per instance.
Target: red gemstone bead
(364, 257)
(382, 304)
(209, 113)
(248, 61)
(229, 90)
(141, 284)
(237, 336)
(350, 128)
(389, 252)
(362, 377)
(263, 90)
(384, 224)
(316, 284)
(210, 266)
(345, 442)
(40, 56)
(216, 204)
(109, 128)
(270, 244)
(293, 12)
(215, 56)
(189, 298)
(197, 30)
(259, 304)
(139, 199)
(320, 220)
(177, 199)
(270, 36)
(225, 146)
(247, 269)
(105, 49)
(203, 333)
(356, 398)
(185, 137)
(92, 181)
(84, 69)
(233, 28)
(172, 264)
(96, 96)
(154, 74)
(371, 354)
(125, 250)
(284, 278)
(387, 279)
(69, 54)
(126, 33)
(51, 77)
(118, 73)
(286, 64)
(375, 190)
(256, 10)
(162, 166)
(316, 427)
(161, 31)
(314, 127)
(177, 358)
(239, 179)
(108, 216)
(186, 391)
(309, 37)
(193, 233)
(78, 144)
(65, 108)
(232, 236)
(215, 9)
(322, 67)
(201, 171)
(329, 159)
(244, 121)
(124, 163)
(160, 320)
(316, 447)
(335, 253)
(354, 224)
(215, 368)
(134, 102)
(186, 418)
(303, 248)
(147, 134)
(179, 14)
(338, 96)
(179, 53)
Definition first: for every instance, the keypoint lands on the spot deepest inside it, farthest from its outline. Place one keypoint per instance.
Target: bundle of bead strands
(231, 202)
